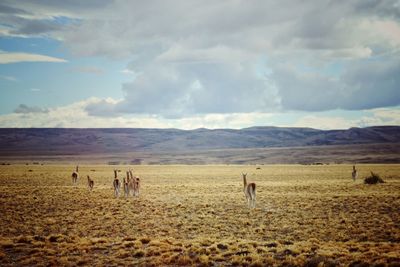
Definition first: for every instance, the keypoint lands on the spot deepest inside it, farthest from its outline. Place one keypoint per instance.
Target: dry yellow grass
(197, 215)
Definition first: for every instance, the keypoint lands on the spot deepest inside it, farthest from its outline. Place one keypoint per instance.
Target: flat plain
(197, 215)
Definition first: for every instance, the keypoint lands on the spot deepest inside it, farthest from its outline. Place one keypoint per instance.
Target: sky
(199, 64)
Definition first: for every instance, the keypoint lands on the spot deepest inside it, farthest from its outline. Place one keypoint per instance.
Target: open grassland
(197, 215)
(336, 154)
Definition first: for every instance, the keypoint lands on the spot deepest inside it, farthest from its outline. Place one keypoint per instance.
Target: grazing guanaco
(116, 184)
(126, 185)
(137, 186)
(75, 176)
(249, 191)
(134, 184)
(354, 173)
(90, 183)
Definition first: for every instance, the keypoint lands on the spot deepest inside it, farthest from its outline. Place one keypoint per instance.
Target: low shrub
(373, 179)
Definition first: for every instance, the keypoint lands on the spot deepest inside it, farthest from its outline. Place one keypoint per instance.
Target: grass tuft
(222, 246)
(183, 260)
(373, 179)
(53, 238)
(6, 244)
(145, 240)
(139, 253)
(24, 239)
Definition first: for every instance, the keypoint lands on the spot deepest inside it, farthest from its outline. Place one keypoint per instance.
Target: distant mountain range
(62, 141)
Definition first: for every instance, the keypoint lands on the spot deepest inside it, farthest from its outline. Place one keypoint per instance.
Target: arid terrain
(197, 215)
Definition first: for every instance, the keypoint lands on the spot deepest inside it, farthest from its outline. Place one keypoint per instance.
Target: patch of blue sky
(63, 20)
(37, 45)
(48, 84)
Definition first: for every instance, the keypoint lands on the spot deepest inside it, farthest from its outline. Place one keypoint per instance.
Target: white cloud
(384, 31)
(326, 123)
(75, 115)
(185, 90)
(366, 84)
(223, 55)
(8, 57)
(381, 116)
(24, 109)
(192, 58)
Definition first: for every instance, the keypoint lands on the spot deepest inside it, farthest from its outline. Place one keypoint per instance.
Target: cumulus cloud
(381, 116)
(189, 89)
(102, 107)
(373, 117)
(193, 58)
(213, 63)
(325, 123)
(365, 84)
(75, 115)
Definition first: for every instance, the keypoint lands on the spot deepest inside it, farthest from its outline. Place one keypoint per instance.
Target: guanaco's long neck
(244, 182)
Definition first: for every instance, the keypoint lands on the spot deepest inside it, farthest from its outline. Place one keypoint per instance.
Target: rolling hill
(117, 141)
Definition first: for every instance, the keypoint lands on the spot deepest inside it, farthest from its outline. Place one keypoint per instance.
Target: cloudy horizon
(199, 64)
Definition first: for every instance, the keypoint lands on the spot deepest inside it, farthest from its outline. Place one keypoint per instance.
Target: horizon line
(201, 128)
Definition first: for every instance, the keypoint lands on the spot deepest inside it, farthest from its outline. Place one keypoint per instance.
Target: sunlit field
(197, 215)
